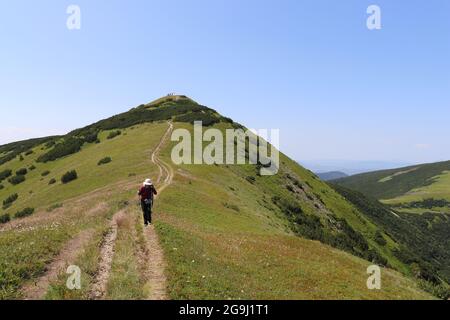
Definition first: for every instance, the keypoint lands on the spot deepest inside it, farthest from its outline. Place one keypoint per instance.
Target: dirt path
(156, 279)
(165, 170)
(67, 256)
(99, 286)
(154, 258)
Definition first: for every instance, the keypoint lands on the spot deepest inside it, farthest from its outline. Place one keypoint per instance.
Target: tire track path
(155, 276)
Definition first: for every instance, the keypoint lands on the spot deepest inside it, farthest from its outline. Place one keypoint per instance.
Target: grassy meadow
(222, 235)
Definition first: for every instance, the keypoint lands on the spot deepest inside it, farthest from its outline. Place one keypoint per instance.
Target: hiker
(146, 194)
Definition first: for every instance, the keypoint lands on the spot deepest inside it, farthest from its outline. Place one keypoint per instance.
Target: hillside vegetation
(415, 211)
(404, 184)
(225, 231)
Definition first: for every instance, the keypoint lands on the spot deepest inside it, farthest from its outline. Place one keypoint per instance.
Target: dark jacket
(147, 193)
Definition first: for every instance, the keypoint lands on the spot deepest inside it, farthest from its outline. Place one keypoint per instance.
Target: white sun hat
(148, 182)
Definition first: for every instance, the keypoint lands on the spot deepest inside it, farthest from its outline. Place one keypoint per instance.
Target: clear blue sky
(311, 68)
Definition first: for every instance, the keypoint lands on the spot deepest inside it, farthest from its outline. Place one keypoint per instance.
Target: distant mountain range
(350, 167)
(332, 175)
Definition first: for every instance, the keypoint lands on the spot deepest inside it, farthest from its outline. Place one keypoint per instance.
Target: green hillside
(404, 184)
(423, 239)
(221, 231)
(415, 211)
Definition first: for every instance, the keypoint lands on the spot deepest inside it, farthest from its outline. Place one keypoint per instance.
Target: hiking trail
(156, 279)
(154, 256)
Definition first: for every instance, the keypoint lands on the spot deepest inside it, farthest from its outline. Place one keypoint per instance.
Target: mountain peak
(168, 98)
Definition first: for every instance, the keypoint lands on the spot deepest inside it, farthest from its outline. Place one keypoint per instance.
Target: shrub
(379, 238)
(12, 150)
(9, 201)
(5, 174)
(16, 179)
(2, 186)
(33, 167)
(21, 158)
(50, 144)
(69, 176)
(207, 118)
(91, 137)
(24, 213)
(251, 179)
(29, 152)
(114, 134)
(52, 181)
(21, 172)
(67, 147)
(45, 173)
(4, 218)
(104, 161)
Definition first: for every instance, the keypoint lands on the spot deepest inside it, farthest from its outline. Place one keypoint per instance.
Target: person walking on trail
(146, 194)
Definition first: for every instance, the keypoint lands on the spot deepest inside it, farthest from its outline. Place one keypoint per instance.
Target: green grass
(223, 237)
(439, 189)
(217, 252)
(125, 282)
(130, 154)
(394, 183)
(24, 254)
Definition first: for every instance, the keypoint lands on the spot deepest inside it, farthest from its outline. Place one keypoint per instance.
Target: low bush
(5, 174)
(2, 186)
(29, 152)
(24, 213)
(251, 179)
(16, 179)
(9, 201)
(33, 167)
(45, 173)
(12, 150)
(21, 172)
(4, 218)
(91, 137)
(379, 238)
(69, 176)
(52, 181)
(114, 134)
(50, 144)
(207, 118)
(104, 161)
(67, 147)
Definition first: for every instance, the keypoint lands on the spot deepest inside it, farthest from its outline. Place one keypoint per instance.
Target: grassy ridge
(214, 220)
(222, 228)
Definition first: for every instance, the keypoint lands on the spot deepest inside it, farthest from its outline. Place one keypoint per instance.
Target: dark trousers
(147, 210)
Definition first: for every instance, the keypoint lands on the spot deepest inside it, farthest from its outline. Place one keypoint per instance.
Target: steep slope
(415, 211)
(226, 231)
(423, 239)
